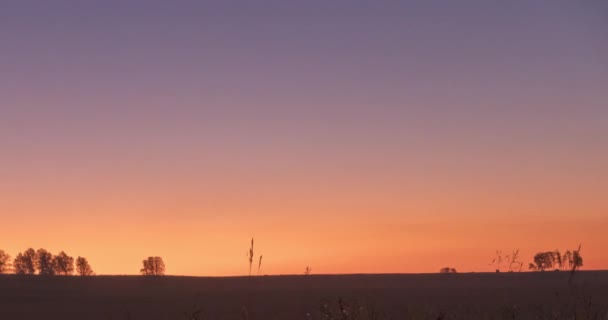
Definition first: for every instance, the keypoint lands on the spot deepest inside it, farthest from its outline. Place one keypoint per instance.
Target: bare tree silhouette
(497, 261)
(45, 263)
(153, 266)
(4, 261)
(25, 263)
(514, 263)
(82, 267)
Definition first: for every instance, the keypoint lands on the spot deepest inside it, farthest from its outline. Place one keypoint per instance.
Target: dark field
(540, 295)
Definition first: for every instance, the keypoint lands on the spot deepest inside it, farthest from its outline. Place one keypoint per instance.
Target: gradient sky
(350, 136)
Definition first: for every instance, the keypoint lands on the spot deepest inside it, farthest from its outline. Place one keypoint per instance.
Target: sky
(348, 136)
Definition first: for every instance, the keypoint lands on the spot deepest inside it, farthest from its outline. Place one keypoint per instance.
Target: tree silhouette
(514, 263)
(44, 263)
(577, 259)
(557, 258)
(567, 258)
(544, 260)
(4, 261)
(25, 263)
(19, 264)
(153, 266)
(82, 267)
(63, 264)
(550, 259)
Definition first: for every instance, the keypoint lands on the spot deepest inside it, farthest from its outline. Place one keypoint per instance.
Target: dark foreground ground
(545, 295)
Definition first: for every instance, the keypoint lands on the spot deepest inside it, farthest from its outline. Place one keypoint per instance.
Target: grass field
(539, 295)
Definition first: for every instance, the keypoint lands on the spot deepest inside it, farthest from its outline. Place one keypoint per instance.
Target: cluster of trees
(153, 266)
(548, 260)
(42, 262)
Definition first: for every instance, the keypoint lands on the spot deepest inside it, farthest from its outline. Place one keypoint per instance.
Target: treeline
(42, 262)
(549, 260)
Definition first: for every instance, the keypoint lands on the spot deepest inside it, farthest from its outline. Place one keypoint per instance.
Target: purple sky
(516, 72)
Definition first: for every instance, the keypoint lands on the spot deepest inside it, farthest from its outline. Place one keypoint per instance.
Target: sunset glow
(352, 139)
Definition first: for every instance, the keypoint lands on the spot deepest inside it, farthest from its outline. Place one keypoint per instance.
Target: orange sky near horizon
(340, 209)
(348, 136)
(332, 248)
(356, 228)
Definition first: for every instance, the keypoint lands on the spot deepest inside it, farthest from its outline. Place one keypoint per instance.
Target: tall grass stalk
(250, 256)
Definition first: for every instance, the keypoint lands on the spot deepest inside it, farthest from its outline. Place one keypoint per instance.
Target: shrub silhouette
(307, 271)
(153, 266)
(448, 270)
(497, 261)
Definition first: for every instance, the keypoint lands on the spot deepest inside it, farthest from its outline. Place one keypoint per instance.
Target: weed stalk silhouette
(250, 256)
(260, 264)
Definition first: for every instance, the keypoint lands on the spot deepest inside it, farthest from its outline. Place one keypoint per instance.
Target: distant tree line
(42, 262)
(547, 260)
(554, 260)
